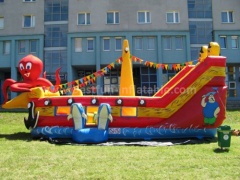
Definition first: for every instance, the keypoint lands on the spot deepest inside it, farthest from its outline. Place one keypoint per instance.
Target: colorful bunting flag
(90, 79)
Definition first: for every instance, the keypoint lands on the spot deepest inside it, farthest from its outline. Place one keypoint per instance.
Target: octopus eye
(28, 65)
(21, 66)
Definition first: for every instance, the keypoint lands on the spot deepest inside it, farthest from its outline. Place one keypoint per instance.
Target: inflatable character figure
(213, 49)
(210, 108)
(203, 53)
(30, 68)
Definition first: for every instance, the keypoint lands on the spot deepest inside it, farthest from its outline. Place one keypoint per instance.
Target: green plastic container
(224, 136)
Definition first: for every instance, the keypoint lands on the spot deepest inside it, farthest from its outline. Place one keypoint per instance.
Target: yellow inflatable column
(126, 81)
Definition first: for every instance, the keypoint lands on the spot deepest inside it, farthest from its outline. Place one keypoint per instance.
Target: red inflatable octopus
(30, 68)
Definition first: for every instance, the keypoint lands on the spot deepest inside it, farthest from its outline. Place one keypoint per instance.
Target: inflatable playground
(190, 105)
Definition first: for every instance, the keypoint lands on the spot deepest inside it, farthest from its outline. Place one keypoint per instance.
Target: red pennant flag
(109, 66)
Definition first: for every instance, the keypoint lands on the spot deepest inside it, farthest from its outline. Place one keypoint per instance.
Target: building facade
(83, 37)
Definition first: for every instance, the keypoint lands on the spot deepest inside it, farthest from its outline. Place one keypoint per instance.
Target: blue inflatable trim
(52, 132)
(150, 133)
(96, 135)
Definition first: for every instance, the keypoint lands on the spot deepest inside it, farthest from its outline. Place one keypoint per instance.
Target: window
(227, 17)
(195, 52)
(118, 44)
(148, 81)
(179, 43)
(33, 46)
(223, 42)
(231, 81)
(138, 43)
(199, 8)
(28, 21)
(111, 86)
(78, 44)
(172, 17)
(144, 17)
(1, 22)
(90, 44)
(151, 43)
(231, 76)
(6, 47)
(83, 18)
(113, 17)
(167, 43)
(55, 10)
(54, 59)
(200, 32)
(89, 89)
(21, 47)
(55, 35)
(168, 74)
(106, 44)
(29, 0)
(234, 42)
(111, 82)
(232, 85)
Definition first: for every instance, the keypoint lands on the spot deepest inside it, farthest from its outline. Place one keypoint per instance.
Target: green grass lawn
(24, 158)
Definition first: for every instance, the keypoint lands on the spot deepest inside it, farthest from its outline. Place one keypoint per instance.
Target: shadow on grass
(24, 136)
(221, 150)
(162, 142)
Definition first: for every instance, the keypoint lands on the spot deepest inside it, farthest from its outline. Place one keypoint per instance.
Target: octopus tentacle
(58, 79)
(45, 74)
(42, 82)
(21, 87)
(7, 83)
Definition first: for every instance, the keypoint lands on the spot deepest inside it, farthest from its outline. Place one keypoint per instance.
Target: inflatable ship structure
(192, 104)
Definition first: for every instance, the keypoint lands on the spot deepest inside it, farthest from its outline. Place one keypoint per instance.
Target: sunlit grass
(24, 158)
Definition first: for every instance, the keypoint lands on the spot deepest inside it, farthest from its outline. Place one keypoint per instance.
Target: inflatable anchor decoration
(32, 119)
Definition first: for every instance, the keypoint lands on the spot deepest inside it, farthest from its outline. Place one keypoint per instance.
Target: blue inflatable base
(94, 135)
(90, 135)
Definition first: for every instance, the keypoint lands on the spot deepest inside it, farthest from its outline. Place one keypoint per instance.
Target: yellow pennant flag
(178, 66)
(112, 64)
(151, 64)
